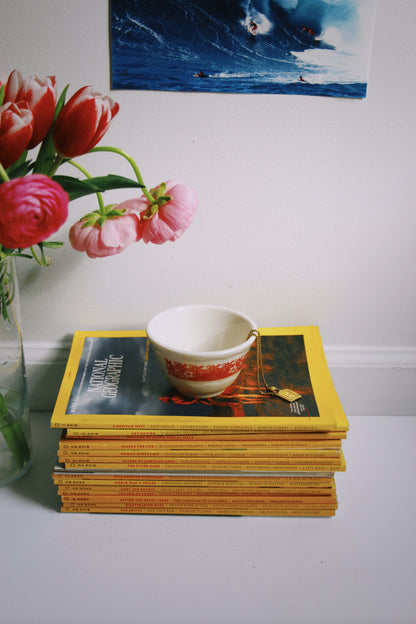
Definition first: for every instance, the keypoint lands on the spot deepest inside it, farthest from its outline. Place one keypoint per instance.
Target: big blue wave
(165, 44)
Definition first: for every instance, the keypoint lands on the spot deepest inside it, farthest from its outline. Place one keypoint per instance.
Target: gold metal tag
(289, 395)
(285, 393)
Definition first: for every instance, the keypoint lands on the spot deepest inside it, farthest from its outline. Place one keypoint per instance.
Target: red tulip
(39, 94)
(83, 121)
(32, 209)
(16, 127)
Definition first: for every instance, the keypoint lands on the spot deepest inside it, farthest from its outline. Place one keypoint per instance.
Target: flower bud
(82, 122)
(39, 95)
(16, 127)
(106, 233)
(172, 214)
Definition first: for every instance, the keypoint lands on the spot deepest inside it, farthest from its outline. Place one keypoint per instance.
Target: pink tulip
(16, 127)
(108, 238)
(83, 121)
(39, 94)
(169, 220)
(32, 209)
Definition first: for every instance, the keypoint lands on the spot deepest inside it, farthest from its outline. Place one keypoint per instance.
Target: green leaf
(61, 102)
(20, 168)
(13, 434)
(52, 244)
(8, 253)
(76, 187)
(2, 89)
(79, 188)
(46, 155)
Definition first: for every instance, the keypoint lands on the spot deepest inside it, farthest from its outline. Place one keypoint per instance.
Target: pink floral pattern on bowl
(211, 372)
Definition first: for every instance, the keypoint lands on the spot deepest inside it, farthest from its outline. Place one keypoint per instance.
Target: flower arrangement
(39, 132)
(34, 199)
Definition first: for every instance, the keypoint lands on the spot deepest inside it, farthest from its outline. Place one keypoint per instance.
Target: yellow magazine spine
(207, 463)
(190, 490)
(314, 501)
(202, 511)
(205, 504)
(95, 445)
(195, 424)
(193, 465)
(108, 455)
(151, 434)
(237, 481)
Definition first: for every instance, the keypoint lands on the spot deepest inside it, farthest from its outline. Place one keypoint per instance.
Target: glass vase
(15, 438)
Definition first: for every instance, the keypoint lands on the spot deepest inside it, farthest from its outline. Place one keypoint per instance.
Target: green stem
(13, 435)
(3, 174)
(10, 428)
(34, 254)
(58, 160)
(135, 168)
(87, 175)
(6, 289)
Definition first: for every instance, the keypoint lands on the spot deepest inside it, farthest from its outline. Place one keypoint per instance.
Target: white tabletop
(358, 567)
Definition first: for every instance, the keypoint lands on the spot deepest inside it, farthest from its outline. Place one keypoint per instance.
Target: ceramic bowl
(201, 348)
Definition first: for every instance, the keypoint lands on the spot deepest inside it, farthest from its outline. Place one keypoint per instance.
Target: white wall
(306, 204)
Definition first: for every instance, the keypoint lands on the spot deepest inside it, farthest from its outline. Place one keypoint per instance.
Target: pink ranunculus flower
(16, 127)
(108, 238)
(172, 217)
(39, 95)
(32, 209)
(82, 122)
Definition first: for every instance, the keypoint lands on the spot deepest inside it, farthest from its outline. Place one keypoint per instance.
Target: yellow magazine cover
(113, 381)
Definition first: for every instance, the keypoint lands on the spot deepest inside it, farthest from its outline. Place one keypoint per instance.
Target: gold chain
(263, 386)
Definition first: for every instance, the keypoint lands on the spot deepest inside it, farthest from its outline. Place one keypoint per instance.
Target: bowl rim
(202, 355)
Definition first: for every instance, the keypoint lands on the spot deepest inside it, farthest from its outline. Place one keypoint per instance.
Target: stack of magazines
(131, 444)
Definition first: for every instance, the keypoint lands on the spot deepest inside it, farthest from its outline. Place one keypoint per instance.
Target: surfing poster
(304, 47)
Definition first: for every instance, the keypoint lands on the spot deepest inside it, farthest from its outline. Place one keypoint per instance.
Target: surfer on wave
(308, 31)
(252, 28)
(201, 74)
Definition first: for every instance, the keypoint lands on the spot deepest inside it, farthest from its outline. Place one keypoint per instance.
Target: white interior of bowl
(201, 329)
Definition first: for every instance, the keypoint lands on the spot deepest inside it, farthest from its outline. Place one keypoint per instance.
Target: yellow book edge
(318, 513)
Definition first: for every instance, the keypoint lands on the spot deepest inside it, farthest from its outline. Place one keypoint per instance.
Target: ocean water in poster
(306, 47)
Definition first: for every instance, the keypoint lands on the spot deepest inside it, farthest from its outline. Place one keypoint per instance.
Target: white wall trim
(43, 353)
(371, 357)
(46, 353)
